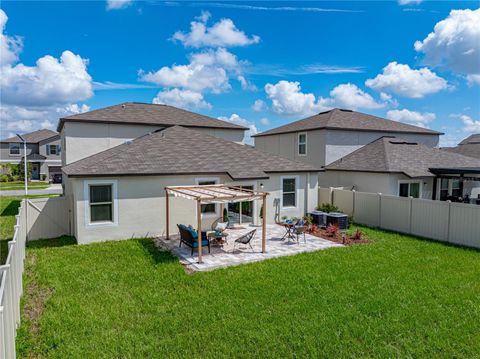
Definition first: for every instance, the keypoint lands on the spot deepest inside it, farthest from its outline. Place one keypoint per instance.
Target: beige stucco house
(119, 160)
(43, 152)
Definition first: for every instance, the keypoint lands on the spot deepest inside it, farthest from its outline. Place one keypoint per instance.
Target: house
(118, 192)
(324, 138)
(91, 132)
(396, 166)
(43, 152)
(468, 147)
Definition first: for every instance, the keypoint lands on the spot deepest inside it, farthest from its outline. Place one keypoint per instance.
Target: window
(101, 203)
(409, 189)
(210, 208)
(456, 188)
(289, 192)
(14, 148)
(443, 189)
(302, 144)
(53, 149)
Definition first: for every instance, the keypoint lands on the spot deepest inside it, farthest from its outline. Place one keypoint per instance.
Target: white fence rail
(11, 288)
(457, 223)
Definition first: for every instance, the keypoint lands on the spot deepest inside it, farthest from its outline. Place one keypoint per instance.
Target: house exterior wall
(6, 157)
(385, 183)
(80, 139)
(141, 204)
(326, 146)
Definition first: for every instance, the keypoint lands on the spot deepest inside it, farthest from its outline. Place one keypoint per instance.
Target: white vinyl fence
(11, 288)
(457, 223)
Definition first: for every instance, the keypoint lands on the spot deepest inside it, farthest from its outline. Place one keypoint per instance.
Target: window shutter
(48, 150)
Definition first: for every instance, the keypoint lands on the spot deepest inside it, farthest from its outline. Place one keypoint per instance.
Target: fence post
(410, 216)
(330, 195)
(379, 210)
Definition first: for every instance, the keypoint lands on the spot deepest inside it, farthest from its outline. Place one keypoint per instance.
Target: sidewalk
(52, 189)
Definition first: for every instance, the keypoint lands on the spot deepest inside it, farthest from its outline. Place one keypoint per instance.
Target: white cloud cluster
(223, 33)
(409, 2)
(236, 119)
(405, 81)
(118, 4)
(411, 117)
(36, 96)
(470, 125)
(455, 44)
(288, 99)
(259, 106)
(181, 98)
(10, 46)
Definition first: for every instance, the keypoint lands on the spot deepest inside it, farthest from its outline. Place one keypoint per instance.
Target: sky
(258, 64)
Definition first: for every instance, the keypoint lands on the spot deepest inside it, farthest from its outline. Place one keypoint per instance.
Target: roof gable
(148, 114)
(340, 119)
(179, 150)
(33, 137)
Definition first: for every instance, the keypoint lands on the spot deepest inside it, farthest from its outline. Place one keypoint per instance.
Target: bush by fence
(457, 223)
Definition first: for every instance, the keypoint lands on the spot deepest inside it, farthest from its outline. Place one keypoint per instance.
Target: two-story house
(43, 153)
(119, 159)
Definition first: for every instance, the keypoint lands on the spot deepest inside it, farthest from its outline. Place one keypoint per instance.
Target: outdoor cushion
(221, 226)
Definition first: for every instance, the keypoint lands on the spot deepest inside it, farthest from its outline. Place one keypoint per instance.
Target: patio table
(218, 238)
(289, 233)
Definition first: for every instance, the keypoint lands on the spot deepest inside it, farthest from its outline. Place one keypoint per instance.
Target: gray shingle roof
(475, 139)
(33, 137)
(390, 154)
(470, 146)
(179, 150)
(340, 119)
(148, 114)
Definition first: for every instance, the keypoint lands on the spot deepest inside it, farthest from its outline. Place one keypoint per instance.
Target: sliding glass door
(241, 212)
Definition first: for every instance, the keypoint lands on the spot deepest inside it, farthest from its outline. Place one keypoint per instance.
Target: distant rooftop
(148, 114)
(33, 137)
(341, 119)
(472, 139)
(395, 155)
(468, 147)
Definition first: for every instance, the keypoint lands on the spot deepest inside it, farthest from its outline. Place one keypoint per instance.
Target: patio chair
(220, 221)
(189, 237)
(300, 229)
(245, 239)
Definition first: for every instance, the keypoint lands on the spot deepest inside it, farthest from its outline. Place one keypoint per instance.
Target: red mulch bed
(339, 238)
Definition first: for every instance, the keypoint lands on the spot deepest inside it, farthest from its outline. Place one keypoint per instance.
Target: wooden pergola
(215, 193)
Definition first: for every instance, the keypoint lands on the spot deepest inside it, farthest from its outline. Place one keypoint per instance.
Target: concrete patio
(224, 256)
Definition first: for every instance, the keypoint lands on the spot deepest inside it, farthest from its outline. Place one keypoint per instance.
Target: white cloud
(265, 8)
(473, 79)
(404, 81)
(207, 71)
(470, 125)
(236, 119)
(264, 121)
(288, 99)
(10, 46)
(454, 43)
(350, 96)
(51, 81)
(246, 85)
(118, 4)
(409, 2)
(181, 98)
(47, 124)
(309, 69)
(411, 117)
(259, 106)
(224, 33)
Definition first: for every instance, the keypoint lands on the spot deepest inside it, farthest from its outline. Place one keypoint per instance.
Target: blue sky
(261, 64)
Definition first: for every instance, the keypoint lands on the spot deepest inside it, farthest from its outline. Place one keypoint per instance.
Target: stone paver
(225, 256)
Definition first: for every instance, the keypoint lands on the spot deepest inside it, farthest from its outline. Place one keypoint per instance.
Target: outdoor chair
(300, 229)
(245, 239)
(218, 223)
(189, 237)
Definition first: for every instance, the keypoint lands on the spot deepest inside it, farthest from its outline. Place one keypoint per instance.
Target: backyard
(397, 296)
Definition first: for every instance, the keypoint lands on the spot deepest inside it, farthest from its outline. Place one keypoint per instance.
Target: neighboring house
(120, 193)
(91, 132)
(43, 152)
(324, 138)
(396, 166)
(468, 147)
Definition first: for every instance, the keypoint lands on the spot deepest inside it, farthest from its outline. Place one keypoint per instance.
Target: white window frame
(297, 199)
(420, 190)
(305, 143)
(86, 193)
(209, 179)
(49, 151)
(10, 149)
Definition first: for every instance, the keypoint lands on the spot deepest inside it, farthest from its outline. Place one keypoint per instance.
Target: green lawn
(8, 186)
(396, 297)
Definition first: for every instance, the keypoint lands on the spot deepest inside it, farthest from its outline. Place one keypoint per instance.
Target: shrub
(308, 220)
(332, 230)
(357, 235)
(4, 178)
(327, 207)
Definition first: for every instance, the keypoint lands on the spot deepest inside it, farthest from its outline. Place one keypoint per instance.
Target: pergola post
(167, 212)
(264, 223)
(199, 229)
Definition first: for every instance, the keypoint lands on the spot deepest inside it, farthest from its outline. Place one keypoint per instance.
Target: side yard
(398, 296)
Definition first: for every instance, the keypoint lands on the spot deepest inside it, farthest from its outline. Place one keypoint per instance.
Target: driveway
(52, 189)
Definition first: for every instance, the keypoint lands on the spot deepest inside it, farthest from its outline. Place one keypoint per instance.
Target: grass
(396, 297)
(8, 211)
(8, 186)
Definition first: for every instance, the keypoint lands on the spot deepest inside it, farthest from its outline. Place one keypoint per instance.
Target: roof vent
(128, 142)
(345, 110)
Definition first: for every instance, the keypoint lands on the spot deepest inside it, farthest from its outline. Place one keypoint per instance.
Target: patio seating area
(232, 254)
